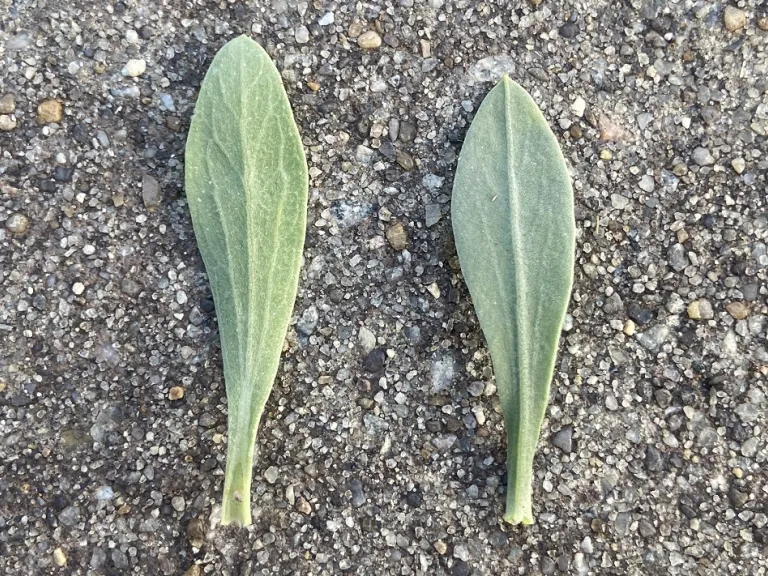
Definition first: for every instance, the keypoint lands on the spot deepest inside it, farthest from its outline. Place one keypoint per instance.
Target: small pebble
(734, 19)
(176, 393)
(646, 183)
(737, 309)
(303, 506)
(271, 474)
(134, 68)
(738, 165)
(17, 223)
(150, 192)
(374, 361)
(59, 558)
(619, 202)
(432, 214)
(397, 236)
(367, 339)
(78, 288)
(369, 40)
(564, 439)
(405, 160)
(441, 547)
(178, 503)
(677, 257)
(7, 123)
(301, 35)
(327, 19)
(702, 156)
(579, 106)
(50, 111)
(7, 104)
(358, 496)
(700, 309)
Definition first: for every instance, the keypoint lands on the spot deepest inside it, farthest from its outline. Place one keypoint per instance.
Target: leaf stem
(519, 489)
(236, 502)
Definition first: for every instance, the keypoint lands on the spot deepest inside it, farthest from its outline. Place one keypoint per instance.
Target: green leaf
(512, 212)
(246, 181)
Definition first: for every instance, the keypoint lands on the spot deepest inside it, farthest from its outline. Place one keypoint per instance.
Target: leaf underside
(246, 183)
(513, 222)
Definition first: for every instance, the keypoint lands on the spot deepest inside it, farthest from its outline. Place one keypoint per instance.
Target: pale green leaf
(246, 182)
(512, 212)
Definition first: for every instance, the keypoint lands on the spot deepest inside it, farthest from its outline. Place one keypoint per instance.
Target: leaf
(246, 181)
(512, 212)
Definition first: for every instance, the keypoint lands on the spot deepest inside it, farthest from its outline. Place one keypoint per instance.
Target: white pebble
(78, 288)
(327, 19)
(579, 106)
(132, 37)
(134, 68)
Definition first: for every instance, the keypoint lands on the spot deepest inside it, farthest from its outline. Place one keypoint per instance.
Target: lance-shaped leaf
(246, 181)
(512, 212)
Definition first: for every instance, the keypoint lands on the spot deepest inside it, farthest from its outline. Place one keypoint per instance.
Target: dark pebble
(644, 389)
(547, 566)
(639, 314)
(709, 221)
(47, 186)
(80, 133)
(738, 499)
(654, 459)
(663, 398)
(414, 499)
(206, 305)
(498, 539)
(407, 131)
(564, 439)
(374, 361)
(568, 30)
(564, 563)
(460, 568)
(63, 173)
(146, 32)
(646, 529)
(412, 333)
(358, 497)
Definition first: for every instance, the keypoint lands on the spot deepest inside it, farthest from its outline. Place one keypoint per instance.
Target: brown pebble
(314, 86)
(173, 123)
(762, 23)
(196, 532)
(734, 19)
(369, 40)
(8, 104)
(441, 547)
(50, 111)
(355, 29)
(194, 570)
(303, 506)
(176, 393)
(738, 310)
(150, 192)
(405, 160)
(17, 223)
(397, 236)
(575, 131)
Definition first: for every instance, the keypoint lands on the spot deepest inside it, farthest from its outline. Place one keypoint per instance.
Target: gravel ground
(382, 449)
